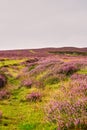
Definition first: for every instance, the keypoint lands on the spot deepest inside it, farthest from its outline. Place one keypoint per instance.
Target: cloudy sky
(43, 23)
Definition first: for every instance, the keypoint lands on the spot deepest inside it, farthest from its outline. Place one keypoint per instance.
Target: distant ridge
(39, 52)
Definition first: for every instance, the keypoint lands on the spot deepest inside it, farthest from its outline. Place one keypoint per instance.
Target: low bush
(3, 80)
(68, 115)
(79, 77)
(34, 96)
(52, 80)
(27, 83)
(4, 94)
(70, 112)
(68, 69)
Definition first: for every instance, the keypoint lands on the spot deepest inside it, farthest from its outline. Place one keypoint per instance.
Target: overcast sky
(43, 23)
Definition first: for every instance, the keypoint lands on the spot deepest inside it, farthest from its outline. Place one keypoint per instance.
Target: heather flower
(68, 68)
(27, 83)
(76, 122)
(67, 114)
(79, 77)
(4, 94)
(34, 96)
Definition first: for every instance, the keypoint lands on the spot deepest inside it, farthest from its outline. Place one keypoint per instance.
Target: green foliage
(10, 62)
(72, 53)
(32, 67)
(83, 71)
(13, 81)
(37, 126)
(52, 80)
(27, 126)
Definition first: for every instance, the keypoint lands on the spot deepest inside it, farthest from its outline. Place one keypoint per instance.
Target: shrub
(66, 114)
(4, 94)
(52, 80)
(3, 80)
(68, 69)
(27, 83)
(34, 96)
(79, 77)
(70, 111)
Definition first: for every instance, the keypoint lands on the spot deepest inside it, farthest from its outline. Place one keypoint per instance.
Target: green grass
(83, 71)
(10, 62)
(22, 115)
(19, 114)
(52, 80)
(32, 51)
(46, 126)
(41, 75)
(32, 67)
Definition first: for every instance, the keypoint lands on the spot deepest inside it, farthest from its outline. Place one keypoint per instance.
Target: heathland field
(43, 89)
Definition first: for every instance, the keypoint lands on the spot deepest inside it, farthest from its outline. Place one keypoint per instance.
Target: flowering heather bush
(45, 64)
(68, 115)
(71, 111)
(4, 94)
(34, 96)
(78, 91)
(2, 80)
(27, 83)
(68, 69)
(79, 77)
(4, 69)
(78, 88)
